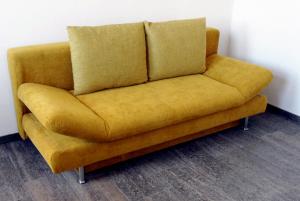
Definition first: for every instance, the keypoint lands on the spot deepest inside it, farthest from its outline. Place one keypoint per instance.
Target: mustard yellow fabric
(249, 79)
(107, 56)
(118, 113)
(136, 109)
(212, 41)
(50, 64)
(59, 111)
(66, 153)
(176, 48)
(45, 64)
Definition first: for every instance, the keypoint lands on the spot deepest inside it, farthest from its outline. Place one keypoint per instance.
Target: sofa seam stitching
(243, 96)
(106, 126)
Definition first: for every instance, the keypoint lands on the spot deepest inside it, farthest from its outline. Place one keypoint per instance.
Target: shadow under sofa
(235, 86)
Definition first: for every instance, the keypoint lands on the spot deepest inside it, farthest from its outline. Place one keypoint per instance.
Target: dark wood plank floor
(260, 164)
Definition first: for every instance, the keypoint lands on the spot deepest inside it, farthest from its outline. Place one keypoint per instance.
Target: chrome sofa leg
(246, 124)
(81, 175)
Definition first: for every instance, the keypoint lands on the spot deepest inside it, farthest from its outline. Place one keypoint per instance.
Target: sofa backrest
(50, 64)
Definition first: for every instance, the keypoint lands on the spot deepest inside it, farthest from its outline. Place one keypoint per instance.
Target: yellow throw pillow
(176, 48)
(107, 56)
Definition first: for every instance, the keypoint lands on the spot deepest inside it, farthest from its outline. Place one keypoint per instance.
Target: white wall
(42, 21)
(268, 33)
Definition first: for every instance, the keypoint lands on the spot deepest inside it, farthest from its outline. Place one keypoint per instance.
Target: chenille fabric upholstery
(249, 79)
(212, 41)
(118, 113)
(132, 110)
(107, 56)
(59, 111)
(123, 112)
(50, 64)
(176, 48)
(63, 152)
(72, 129)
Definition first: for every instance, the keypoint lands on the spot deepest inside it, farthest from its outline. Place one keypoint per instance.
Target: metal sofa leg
(246, 124)
(81, 175)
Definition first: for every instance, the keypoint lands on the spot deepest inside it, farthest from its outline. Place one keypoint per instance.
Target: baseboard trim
(274, 109)
(10, 138)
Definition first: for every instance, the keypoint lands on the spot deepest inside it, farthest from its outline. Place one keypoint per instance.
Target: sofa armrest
(59, 111)
(249, 79)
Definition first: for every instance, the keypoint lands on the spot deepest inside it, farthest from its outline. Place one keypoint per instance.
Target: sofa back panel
(212, 41)
(50, 64)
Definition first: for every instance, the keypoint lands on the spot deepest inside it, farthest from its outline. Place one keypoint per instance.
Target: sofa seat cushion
(137, 109)
(59, 111)
(249, 79)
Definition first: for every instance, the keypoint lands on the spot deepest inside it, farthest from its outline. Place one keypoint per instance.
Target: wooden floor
(260, 164)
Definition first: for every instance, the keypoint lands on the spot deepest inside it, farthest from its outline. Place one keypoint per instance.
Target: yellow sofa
(90, 131)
